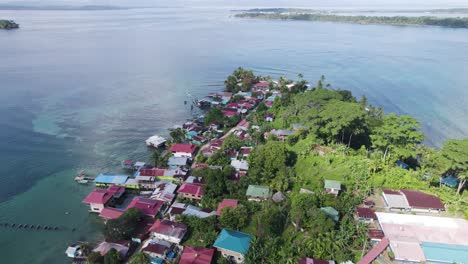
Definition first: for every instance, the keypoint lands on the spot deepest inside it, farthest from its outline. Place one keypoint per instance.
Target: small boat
(155, 141)
(82, 178)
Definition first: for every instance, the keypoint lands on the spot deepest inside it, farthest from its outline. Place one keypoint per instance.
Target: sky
(407, 4)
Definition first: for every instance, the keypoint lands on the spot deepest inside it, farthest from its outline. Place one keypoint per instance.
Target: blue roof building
(103, 179)
(233, 244)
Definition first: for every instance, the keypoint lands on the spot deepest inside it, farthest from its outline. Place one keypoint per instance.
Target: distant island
(313, 15)
(8, 24)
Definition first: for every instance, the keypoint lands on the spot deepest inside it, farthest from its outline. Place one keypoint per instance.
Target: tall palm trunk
(461, 184)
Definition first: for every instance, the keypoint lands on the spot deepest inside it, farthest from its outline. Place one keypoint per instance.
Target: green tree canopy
(455, 154)
(234, 218)
(123, 227)
(112, 257)
(397, 134)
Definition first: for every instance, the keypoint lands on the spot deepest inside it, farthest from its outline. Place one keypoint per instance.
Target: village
(173, 210)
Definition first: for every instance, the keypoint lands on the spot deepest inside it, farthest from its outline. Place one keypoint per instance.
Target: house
(423, 202)
(146, 206)
(281, 134)
(168, 230)
(243, 125)
(121, 247)
(116, 191)
(365, 215)
(269, 104)
(195, 180)
(315, 261)
(245, 151)
(190, 191)
(164, 191)
(332, 213)
(411, 200)
(183, 150)
(157, 248)
(74, 251)
(425, 238)
(230, 113)
(177, 162)
(109, 213)
(332, 187)
(187, 209)
(233, 244)
(262, 85)
(97, 200)
(375, 234)
(269, 117)
(199, 140)
(278, 197)
(226, 203)
(395, 201)
(297, 126)
(258, 193)
(104, 180)
(240, 165)
(197, 255)
(142, 232)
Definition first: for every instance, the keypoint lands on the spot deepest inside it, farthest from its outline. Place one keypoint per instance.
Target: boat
(82, 178)
(155, 141)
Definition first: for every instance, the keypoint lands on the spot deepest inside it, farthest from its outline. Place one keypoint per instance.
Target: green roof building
(258, 193)
(332, 213)
(233, 244)
(332, 187)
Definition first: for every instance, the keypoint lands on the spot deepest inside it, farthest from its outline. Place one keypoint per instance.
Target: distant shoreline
(8, 24)
(311, 15)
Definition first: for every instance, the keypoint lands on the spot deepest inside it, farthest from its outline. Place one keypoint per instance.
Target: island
(8, 24)
(313, 15)
(284, 171)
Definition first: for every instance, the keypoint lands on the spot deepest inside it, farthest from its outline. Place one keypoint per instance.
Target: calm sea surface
(82, 90)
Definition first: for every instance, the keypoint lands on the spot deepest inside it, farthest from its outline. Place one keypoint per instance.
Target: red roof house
(116, 191)
(146, 206)
(168, 230)
(152, 172)
(366, 214)
(110, 213)
(228, 113)
(226, 203)
(375, 252)
(183, 150)
(313, 261)
(197, 255)
(97, 199)
(262, 84)
(420, 200)
(244, 124)
(191, 191)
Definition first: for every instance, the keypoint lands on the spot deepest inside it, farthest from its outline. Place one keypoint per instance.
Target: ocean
(84, 89)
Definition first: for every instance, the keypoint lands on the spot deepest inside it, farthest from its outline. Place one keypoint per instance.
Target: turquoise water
(445, 253)
(83, 90)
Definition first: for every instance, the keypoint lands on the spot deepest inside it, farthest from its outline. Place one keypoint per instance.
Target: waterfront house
(121, 247)
(97, 200)
(168, 230)
(197, 255)
(104, 180)
(74, 251)
(183, 150)
(365, 215)
(226, 203)
(146, 206)
(190, 191)
(233, 245)
(177, 162)
(258, 193)
(263, 85)
(109, 213)
(332, 187)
